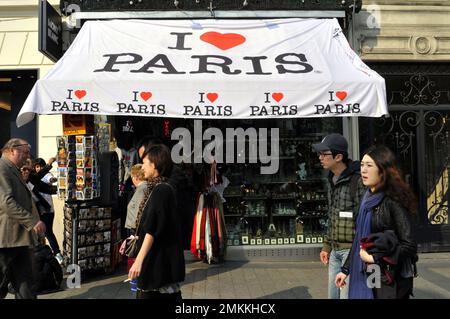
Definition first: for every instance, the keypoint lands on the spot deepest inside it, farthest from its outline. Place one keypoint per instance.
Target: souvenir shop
(239, 102)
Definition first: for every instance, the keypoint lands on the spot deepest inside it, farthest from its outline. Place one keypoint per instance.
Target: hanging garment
(208, 240)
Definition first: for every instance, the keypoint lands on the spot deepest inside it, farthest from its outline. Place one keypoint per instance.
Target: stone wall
(403, 30)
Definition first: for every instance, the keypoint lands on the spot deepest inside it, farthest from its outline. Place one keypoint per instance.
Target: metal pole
(75, 234)
(354, 125)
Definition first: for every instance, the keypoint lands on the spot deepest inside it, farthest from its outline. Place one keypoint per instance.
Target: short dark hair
(39, 161)
(147, 141)
(344, 155)
(159, 155)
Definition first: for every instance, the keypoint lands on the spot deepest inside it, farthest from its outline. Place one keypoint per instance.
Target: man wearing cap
(344, 193)
(18, 221)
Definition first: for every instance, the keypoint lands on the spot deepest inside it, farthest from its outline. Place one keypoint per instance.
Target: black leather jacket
(391, 215)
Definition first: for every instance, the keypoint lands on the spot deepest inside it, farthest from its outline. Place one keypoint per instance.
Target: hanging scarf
(358, 288)
(151, 184)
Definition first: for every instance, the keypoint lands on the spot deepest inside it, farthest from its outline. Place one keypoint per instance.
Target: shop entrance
(418, 131)
(15, 85)
(280, 215)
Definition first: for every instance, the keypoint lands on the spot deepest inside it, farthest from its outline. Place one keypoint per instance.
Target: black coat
(164, 263)
(391, 215)
(185, 195)
(41, 187)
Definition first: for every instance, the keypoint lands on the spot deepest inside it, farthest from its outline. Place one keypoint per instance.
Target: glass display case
(288, 207)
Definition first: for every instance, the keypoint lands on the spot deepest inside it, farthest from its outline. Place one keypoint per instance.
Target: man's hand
(324, 257)
(39, 228)
(340, 280)
(51, 160)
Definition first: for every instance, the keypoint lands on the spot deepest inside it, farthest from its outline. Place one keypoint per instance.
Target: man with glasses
(344, 193)
(18, 221)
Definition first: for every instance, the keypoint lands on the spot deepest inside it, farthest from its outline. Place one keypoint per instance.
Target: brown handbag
(131, 244)
(131, 247)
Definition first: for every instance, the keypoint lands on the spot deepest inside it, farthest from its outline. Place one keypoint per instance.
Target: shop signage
(216, 69)
(50, 31)
(74, 124)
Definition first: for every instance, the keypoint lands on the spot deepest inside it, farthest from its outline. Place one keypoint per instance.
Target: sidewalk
(255, 280)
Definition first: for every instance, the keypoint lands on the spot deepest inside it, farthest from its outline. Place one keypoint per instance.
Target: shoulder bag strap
(146, 202)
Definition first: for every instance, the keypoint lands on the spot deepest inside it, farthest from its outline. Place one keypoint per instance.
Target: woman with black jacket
(381, 262)
(159, 266)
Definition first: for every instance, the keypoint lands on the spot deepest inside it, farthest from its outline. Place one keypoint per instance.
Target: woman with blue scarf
(385, 213)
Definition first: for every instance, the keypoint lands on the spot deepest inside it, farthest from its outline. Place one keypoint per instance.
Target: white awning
(215, 69)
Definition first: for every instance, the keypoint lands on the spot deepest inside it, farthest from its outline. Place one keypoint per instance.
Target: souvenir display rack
(78, 177)
(90, 236)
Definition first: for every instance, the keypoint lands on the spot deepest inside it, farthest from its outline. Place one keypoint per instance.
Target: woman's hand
(366, 257)
(135, 270)
(340, 280)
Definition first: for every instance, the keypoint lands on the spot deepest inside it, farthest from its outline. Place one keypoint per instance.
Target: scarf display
(209, 236)
(358, 288)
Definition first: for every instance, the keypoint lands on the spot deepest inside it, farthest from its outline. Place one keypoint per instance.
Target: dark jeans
(47, 219)
(156, 295)
(15, 267)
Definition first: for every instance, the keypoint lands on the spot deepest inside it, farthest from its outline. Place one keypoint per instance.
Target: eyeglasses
(22, 150)
(19, 145)
(323, 154)
(25, 169)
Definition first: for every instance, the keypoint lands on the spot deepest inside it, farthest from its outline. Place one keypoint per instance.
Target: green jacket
(343, 204)
(16, 214)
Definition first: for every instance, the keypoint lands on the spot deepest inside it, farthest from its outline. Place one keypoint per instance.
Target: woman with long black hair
(381, 262)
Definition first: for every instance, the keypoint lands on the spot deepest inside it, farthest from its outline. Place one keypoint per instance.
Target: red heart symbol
(277, 96)
(80, 93)
(223, 41)
(146, 95)
(341, 95)
(212, 97)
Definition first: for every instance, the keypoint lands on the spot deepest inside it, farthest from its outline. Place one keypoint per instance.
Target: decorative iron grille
(418, 131)
(69, 6)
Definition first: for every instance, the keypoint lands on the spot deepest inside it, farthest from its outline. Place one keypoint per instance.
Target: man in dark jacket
(344, 193)
(184, 188)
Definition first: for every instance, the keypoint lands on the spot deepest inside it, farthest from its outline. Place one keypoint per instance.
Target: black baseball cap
(332, 142)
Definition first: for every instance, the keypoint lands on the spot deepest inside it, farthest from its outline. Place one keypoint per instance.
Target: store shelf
(284, 215)
(233, 215)
(231, 195)
(254, 198)
(245, 216)
(312, 180)
(280, 198)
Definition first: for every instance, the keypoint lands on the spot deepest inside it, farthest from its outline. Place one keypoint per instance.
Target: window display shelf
(297, 188)
(255, 197)
(275, 197)
(245, 216)
(284, 215)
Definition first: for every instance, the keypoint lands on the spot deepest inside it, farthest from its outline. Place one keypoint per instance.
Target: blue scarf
(358, 279)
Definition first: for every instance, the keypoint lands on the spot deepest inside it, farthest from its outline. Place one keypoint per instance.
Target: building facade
(407, 42)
